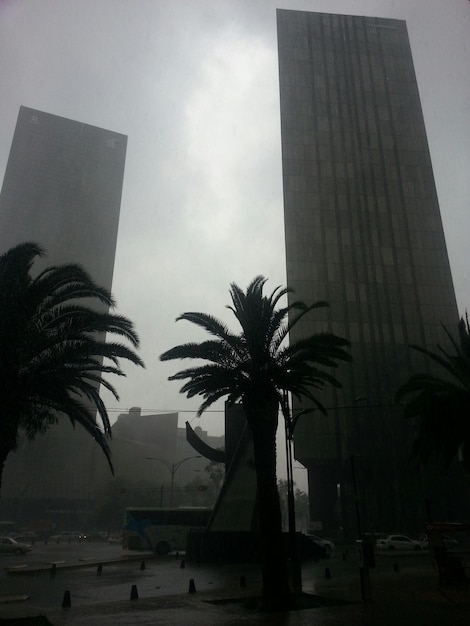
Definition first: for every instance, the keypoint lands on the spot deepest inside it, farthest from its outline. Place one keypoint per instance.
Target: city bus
(161, 530)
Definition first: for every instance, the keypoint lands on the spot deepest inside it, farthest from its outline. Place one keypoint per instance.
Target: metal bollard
(66, 602)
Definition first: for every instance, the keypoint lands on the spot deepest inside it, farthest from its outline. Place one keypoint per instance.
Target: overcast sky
(194, 86)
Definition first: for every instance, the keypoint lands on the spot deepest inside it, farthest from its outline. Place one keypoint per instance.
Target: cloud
(194, 85)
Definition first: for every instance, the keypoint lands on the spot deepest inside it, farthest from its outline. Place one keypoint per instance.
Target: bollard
(53, 570)
(99, 569)
(66, 602)
(183, 564)
(142, 566)
(242, 581)
(327, 573)
(134, 593)
(192, 586)
(366, 591)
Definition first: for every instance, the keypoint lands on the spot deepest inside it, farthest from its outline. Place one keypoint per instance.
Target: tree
(258, 369)
(441, 403)
(302, 514)
(216, 473)
(52, 346)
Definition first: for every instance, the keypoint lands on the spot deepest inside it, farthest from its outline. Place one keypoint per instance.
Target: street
(404, 589)
(77, 572)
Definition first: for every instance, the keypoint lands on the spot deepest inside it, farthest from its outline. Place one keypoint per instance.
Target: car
(397, 542)
(97, 535)
(8, 544)
(449, 542)
(327, 545)
(67, 536)
(73, 535)
(26, 537)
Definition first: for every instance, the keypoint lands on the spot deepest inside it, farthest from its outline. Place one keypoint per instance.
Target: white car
(327, 545)
(8, 544)
(397, 542)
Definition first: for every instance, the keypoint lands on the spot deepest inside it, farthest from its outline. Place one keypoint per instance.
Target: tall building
(62, 189)
(363, 232)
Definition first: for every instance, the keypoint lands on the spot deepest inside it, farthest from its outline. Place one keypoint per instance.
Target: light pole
(173, 468)
(290, 422)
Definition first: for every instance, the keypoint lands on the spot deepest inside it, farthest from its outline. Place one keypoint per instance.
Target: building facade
(62, 189)
(363, 232)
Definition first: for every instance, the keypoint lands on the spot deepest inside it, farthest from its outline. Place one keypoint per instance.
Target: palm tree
(441, 403)
(52, 346)
(256, 368)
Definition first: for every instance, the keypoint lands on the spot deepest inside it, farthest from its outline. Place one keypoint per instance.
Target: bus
(161, 530)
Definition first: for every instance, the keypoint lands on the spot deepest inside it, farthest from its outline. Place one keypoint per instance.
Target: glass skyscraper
(363, 232)
(62, 189)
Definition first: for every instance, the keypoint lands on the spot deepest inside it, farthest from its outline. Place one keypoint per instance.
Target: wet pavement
(404, 591)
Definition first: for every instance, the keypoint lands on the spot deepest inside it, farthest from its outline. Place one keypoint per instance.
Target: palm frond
(53, 348)
(253, 363)
(440, 400)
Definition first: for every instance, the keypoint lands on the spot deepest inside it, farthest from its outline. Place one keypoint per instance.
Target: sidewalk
(408, 597)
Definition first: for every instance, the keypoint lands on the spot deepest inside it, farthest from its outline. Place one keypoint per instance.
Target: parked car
(449, 542)
(67, 536)
(327, 545)
(26, 537)
(397, 542)
(8, 544)
(73, 535)
(97, 535)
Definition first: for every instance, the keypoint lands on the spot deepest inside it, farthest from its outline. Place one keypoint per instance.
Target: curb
(16, 570)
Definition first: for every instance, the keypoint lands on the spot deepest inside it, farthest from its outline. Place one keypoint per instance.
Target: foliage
(216, 473)
(257, 368)
(52, 346)
(240, 365)
(197, 492)
(441, 403)
(301, 503)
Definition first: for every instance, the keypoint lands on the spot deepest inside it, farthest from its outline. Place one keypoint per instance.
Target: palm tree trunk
(276, 593)
(5, 449)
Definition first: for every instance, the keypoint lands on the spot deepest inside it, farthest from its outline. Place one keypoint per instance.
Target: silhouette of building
(363, 231)
(62, 189)
(154, 466)
(139, 438)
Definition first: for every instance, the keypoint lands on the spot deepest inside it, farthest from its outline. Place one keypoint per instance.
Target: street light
(173, 468)
(290, 422)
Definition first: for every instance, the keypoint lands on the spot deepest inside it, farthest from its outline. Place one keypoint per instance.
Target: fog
(194, 86)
